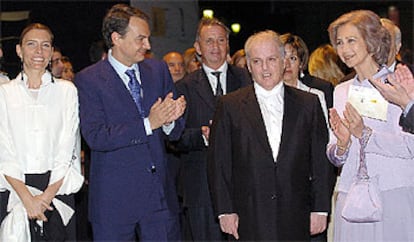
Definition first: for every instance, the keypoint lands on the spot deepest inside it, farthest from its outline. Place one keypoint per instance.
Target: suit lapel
(145, 74)
(203, 89)
(254, 116)
(289, 119)
(114, 83)
(232, 82)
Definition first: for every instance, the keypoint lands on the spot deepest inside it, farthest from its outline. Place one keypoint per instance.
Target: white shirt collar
(46, 78)
(121, 68)
(277, 90)
(222, 68)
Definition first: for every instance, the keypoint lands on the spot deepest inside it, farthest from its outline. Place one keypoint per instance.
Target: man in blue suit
(127, 107)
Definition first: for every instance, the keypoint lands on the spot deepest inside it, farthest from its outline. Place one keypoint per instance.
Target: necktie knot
(131, 74)
(219, 89)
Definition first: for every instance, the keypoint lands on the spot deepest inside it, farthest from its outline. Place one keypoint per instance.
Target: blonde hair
(323, 64)
(237, 56)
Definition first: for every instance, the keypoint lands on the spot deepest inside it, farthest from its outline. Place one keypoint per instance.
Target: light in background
(208, 13)
(235, 27)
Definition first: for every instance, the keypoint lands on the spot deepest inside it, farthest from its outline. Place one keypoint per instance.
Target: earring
(301, 74)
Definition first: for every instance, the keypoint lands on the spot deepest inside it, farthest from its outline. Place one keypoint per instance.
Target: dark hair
(35, 26)
(57, 49)
(299, 45)
(117, 20)
(374, 34)
(96, 50)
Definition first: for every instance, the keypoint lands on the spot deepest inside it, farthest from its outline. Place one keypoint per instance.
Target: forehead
(290, 50)
(347, 30)
(56, 54)
(212, 30)
(37, 34)
(261, 48)
(138, 26)
(174, 58)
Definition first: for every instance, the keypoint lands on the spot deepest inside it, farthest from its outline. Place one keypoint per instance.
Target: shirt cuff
(321, 213)
(147, 126)
(337, 160)
(205, 140)
(167, 128)
(408, 107)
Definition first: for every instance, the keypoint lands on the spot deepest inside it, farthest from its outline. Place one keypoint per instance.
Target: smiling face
(265, 62)
(351, 46)
(35, 50)
(212, 45)
(132, 46)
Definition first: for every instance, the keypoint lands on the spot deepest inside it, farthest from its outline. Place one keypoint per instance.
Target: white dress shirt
(213, 79)
(271, 106)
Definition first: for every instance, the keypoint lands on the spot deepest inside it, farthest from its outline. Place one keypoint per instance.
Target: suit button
(134, 141)
(273, 197)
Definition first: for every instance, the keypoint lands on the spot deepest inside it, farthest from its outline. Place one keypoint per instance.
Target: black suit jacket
(201, 104)
(273, 199)
(326, 87)
(407, 123)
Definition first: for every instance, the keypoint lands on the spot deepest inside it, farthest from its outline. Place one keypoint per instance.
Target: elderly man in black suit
(268, 173)
(201, 90)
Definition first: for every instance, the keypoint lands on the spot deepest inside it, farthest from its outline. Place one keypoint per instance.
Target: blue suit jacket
(122, 187)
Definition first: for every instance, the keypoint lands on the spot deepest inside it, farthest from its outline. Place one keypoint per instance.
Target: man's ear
(197, 47)
(115, 37)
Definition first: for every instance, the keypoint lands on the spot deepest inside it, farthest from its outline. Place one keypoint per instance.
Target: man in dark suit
(201, 90)
(127, 107)
(268, 173)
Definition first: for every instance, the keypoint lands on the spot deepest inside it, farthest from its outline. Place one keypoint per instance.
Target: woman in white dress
(39, 142)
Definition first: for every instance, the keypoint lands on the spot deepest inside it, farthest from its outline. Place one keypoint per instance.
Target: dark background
(76, 24)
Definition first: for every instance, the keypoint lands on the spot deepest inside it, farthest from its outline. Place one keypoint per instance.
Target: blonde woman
(323, 64)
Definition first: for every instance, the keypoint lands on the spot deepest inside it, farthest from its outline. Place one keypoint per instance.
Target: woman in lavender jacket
(363, 44)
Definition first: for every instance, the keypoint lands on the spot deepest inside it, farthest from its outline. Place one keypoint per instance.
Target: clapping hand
(163, 112)
(401, 90)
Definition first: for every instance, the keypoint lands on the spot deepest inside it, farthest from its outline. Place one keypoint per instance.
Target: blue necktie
(135, 89)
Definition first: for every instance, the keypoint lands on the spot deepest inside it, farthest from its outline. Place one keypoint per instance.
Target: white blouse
(40, 134)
